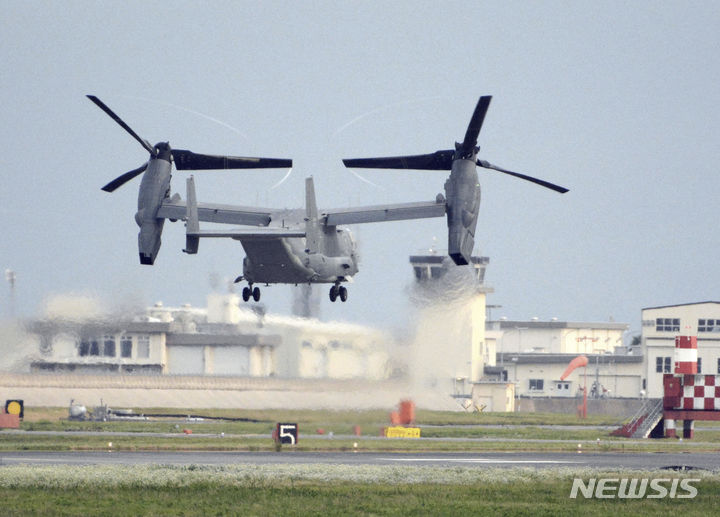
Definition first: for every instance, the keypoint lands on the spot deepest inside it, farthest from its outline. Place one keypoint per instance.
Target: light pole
(519, 331)
(10, 277)
(565, 341)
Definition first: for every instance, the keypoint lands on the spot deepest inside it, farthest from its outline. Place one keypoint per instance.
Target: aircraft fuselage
(290, 261)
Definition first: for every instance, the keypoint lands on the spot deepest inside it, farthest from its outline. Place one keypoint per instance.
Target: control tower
(450, 349)
(436, 267)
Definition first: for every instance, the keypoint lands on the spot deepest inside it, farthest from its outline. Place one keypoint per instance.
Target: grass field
(285, 489)
(21, 442)
(326, 490)
(512, 432)
(34, 415)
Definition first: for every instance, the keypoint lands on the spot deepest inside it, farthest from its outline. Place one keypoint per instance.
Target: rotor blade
(188, 160)
(546, 184)
(476, 123)
(100, 104)
(121, 180)
(437, 161)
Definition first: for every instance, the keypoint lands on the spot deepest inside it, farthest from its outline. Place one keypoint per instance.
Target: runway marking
(60, 461)
(475, 460)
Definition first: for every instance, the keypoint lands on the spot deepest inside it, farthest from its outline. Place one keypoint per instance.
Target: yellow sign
(402, 432)
(14, 408)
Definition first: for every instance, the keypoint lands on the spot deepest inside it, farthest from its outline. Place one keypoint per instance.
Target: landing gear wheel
(256, 294)
(333, 293)
(246, 293)
(342, 293)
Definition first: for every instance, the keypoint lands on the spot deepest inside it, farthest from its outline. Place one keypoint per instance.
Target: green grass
(181, 442)
(325, 490)
(347, 418)
(329, 489)
(520, 435)
(463, 418)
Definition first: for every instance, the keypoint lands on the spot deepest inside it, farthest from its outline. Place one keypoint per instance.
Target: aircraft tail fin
(192, 225)
(312, 220)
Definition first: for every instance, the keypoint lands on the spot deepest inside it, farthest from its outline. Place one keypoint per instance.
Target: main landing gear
(249, 291)
(338, 291)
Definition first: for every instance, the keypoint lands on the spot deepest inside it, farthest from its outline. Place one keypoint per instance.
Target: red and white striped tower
(685, 365)
(685, 355)
(670, 428)
(688, 395)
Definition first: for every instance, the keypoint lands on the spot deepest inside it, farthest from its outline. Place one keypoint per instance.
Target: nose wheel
(250, 292)
(338, 291)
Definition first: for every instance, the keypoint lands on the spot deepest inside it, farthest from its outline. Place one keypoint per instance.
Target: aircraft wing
(212, 213)
(243, 234)
(381, 213)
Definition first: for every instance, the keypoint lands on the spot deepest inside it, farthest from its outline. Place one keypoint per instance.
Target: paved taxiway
(602, 461)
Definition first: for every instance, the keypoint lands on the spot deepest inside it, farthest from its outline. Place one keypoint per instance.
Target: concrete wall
(621, 408)
(136, 391)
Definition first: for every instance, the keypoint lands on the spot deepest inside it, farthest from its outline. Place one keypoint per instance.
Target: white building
(660, 326)
(455, 343)
(557, 337)
(539, 375)
(226, 339)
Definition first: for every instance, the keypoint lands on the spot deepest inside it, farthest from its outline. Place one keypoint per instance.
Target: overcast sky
(618, 101)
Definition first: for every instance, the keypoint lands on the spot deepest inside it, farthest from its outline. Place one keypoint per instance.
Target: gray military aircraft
(304, 246)
(291, 246)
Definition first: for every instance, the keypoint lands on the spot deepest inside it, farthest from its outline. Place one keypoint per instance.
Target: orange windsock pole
(578, 362)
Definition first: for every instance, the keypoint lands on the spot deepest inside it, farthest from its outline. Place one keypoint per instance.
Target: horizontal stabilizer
(213, 213)
(437, 161)
(381, 213)
(243, 234)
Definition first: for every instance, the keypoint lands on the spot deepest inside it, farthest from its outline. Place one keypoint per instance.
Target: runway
(600, 461)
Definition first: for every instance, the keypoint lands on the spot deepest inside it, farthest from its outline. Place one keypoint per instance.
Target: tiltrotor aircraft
(303, 246)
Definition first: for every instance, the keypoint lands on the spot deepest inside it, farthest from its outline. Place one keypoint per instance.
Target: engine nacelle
(149, 241)
(462, 191)
(154, 189)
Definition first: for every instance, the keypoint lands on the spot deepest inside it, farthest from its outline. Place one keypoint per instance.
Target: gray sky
(617, 101)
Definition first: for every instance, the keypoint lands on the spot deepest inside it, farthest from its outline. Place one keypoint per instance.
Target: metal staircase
(643, 421)
(652, 418)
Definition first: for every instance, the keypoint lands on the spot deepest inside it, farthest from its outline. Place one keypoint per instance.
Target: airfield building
(660, 326)
(534, 354)
(493, 362)
(224, 339)
(455, 349)
(538, 375)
